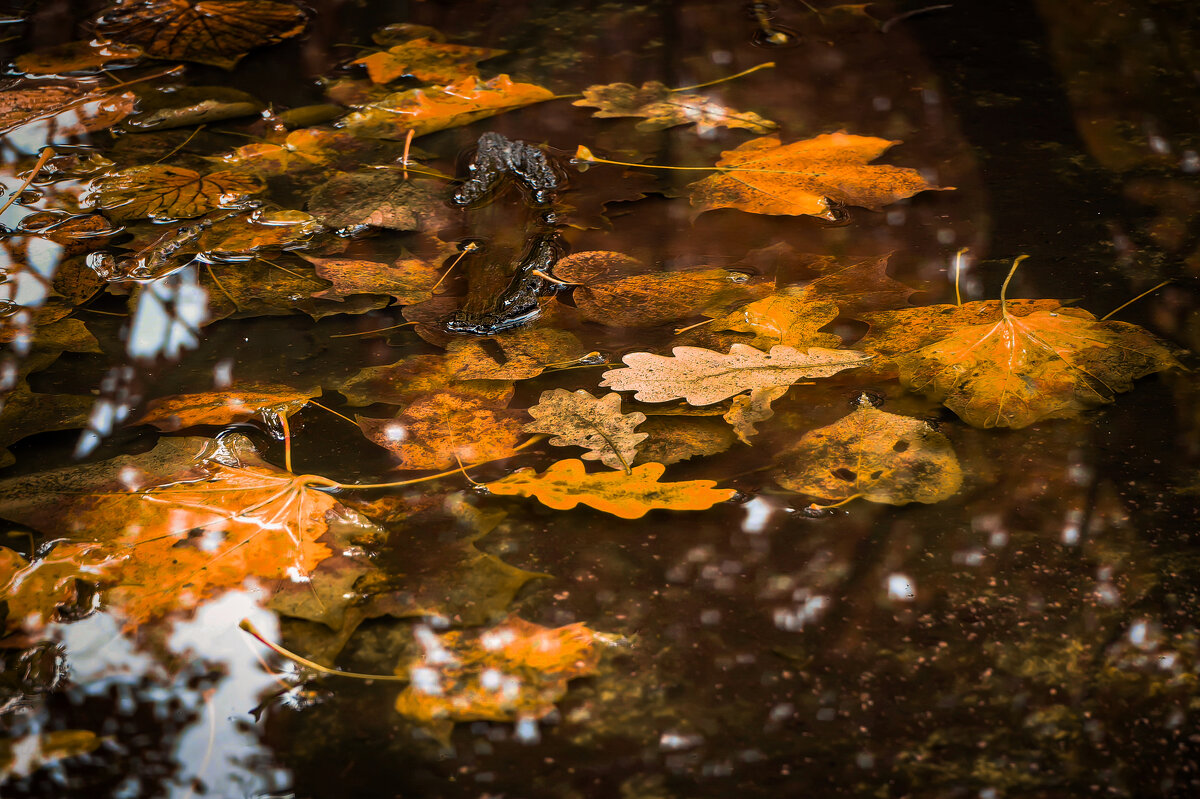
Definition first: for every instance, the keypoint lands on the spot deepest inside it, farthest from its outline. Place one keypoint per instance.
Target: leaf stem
(246, 625)
(957, 272)
(47, 153)
(1004, 288)
(766, 65)
(470, 247)
(287, 443)
(1135, 299)
(415, 480)
(845, 501)
(369, 332)
(335, 413)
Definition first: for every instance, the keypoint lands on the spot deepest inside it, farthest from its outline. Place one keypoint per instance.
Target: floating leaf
(379, 198)
(515, 670)
(790, 316)
(1022, 369)
(439, 431)
(69, 110)
(245, 234)
(195, 518)
(879, 456)
(608, 293)
(526, 353)
(409, 280)
(33, 592)
(678, 438)
(629, 496)
(74, 57)
(763, 176)
(428, 110)
(908, 329)
(302, 150)
(404, 381)
(663, 108)
(162, 192)
(217, 32)
(184, 106)
(266, 402)
(430, 61)
(577, 419)
(703, 377)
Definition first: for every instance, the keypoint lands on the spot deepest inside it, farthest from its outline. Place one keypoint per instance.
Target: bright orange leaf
(630, 496)
(515, 670)
(225, 407)
(32, 592)
(429, 61)
(763, 176)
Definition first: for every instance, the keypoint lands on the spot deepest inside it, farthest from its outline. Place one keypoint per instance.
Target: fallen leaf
(439, 431)
(380, 198)
(763, 176)
(160, 192)
(678, 438)
(526, 353)
(791, 316)
(259, 288)
(908, 329)
(25, 412)
(860, 287)
(429, 61)
(255, 400)
(878, 456)
(703, 377)
(577, 419)
(1023, 369)
(409, 280)
(515, 670)
(747, 410)
(607, 293)
(217, 32)
(244, 235)
(189, 519)
(67, 111)
(300, 151)
(428, 110)
(164, 108)
(406, 380)
(74, 57)
(628, 496)
(663, 108)
(31, 593)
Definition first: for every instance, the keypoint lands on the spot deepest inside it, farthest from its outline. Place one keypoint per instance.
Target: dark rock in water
(498, 157)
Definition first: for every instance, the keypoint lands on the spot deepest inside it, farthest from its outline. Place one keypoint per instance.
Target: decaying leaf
(662, 108)
(791, 316)
(703, 377)
(907, 329)
(439, 431)
(264, 401)
(875, 455)
(525, 352)
(428, 110)
(243, 235)
(763, 176)
(189, 519)
(630, 496)
(217, 32)
(31, 593)
(379, 198)
(577, 419)
(68, 110)
(1022, 369)
(74, 57)
(162, 192)
(747, 410)
(406, 380)
(618, 290)
(409, 280)
(430, 61)
(678, 438)
(515, 670)
(164, 108)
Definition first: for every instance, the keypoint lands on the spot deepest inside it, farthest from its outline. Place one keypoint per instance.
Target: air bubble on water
(223, 374)
(758, 512)
(395, 432)
(425, 680)
(671, 741)
(526, 731)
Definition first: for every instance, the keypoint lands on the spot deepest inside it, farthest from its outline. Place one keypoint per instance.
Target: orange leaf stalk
(311, 664)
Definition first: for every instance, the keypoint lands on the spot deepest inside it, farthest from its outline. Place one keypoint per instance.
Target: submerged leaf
(378, 198)
(763, 176)
(703, 377)
(226, 407)
(430, 61)
(577, 419)
(515, 670)
(1022, 369)
(439, 431)
(629, 496)
(428, 110)
(217, 32)
(162, 192)
(663, 108)
(31, 593)
(879, 456)
(74, 57)
(409, 280)
(790, 316)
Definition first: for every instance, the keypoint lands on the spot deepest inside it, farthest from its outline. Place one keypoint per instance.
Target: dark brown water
(1032, 636)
